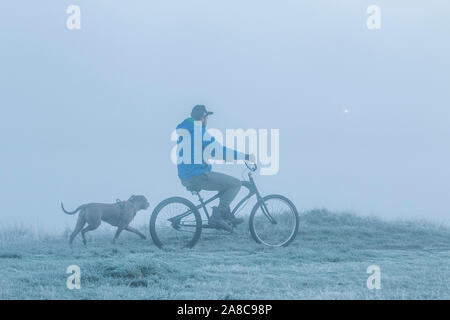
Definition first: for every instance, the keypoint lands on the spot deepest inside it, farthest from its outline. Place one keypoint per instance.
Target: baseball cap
(199, 111)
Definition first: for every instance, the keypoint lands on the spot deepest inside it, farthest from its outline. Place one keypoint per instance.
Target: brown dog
(118, 214)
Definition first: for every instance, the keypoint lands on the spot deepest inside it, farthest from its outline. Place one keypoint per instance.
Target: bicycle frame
(253, 190)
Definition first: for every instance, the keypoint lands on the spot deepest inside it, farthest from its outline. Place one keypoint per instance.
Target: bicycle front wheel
(274, 221)
(175, 223)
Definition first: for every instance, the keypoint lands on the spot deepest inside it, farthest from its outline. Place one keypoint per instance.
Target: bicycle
(176, 221)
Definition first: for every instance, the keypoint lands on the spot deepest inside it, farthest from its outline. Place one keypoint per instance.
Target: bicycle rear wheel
(274, 221)
(175, 223)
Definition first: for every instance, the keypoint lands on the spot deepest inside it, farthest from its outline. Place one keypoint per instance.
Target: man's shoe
(217, 221)
(227, 215)
(235, 221)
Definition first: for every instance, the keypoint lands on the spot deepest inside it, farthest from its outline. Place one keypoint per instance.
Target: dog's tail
(71, 212)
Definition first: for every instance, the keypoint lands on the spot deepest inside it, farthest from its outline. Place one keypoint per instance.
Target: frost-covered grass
(328, 260)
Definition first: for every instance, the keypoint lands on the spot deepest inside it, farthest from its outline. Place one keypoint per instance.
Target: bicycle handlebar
(251, 168)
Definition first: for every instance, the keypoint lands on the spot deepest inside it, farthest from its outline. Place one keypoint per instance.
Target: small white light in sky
(345, 110)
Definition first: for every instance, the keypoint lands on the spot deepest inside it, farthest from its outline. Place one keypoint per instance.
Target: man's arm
(236, 155)
(208, 140)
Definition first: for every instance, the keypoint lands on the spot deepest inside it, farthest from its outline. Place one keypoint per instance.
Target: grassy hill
(328, 260)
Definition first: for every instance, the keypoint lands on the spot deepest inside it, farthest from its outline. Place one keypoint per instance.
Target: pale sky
(86, 115)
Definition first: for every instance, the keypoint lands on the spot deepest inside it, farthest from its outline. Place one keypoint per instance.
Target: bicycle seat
(193, 188)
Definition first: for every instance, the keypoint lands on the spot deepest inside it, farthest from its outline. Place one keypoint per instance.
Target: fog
(87, 115)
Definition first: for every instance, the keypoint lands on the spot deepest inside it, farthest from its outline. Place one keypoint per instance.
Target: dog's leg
(79, 226)
(119, 230)
(128, 228)
(90, 227)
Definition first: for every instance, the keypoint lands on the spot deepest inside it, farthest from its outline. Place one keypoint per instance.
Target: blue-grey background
(87, 115)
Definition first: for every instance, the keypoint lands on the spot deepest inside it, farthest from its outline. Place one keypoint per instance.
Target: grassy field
(328, 260)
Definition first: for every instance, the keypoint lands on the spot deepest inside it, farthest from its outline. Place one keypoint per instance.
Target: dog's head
(139, 202)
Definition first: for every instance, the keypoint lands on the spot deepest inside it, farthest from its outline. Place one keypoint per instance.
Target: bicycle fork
(263, 204)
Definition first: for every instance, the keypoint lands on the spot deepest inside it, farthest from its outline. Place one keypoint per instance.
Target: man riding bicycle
(197, 175)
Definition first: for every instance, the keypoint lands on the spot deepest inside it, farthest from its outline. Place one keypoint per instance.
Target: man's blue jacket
(191, 169)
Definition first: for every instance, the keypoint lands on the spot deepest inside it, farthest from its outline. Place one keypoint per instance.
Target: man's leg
(228, 185)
